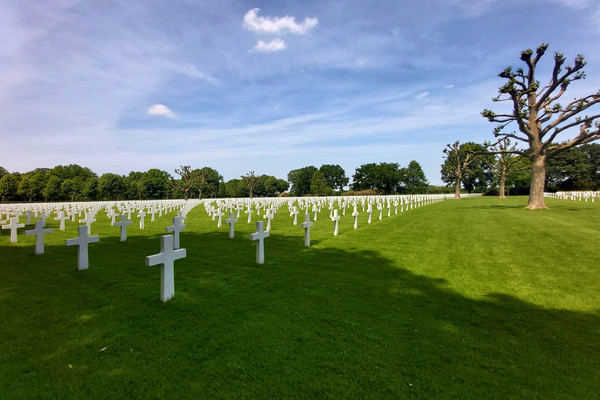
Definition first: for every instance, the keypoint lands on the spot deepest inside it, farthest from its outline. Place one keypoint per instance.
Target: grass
(477, 298)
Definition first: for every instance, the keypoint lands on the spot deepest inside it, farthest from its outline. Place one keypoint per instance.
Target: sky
(267, 86)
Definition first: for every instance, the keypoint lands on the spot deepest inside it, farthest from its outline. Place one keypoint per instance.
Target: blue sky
(268, 86)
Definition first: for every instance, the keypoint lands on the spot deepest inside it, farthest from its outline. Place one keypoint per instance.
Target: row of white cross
(579, 195)
(170, 251)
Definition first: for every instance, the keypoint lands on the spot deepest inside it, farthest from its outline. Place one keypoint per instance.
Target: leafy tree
(592, 152)
(570, 170)
(206, 181)
(186, 182)
(53, 189)
(111, 187)
(282, 185)
(271, 186)
(251, 181)
(70, 188)
(539, 116)
(89, 191)
(318, 184)
(155, 184)
(335, 176)
(3, 172)
(413, 179)
(32, 185)
(300, 179)
(383, 177)
(9, 186)
(463, 161)
(232, 187)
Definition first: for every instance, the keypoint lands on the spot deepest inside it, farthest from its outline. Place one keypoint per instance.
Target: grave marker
(82, 240)
(13, 226)
(39, 232)
(259, 236)
(306, 225)
(123, 224)
(167, 256)
(176, 228)
(231, 221)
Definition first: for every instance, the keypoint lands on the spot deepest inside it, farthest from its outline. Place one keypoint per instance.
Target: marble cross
(123, 224)
(231, 221)
(269, 216)
(176, 228)
(60, 216)
(355, 215)
(89, 218)
(167, 256)
(39, 232)
(82, 240)
(294, 213)
(306, 225)
(13, 226)
(249, 211)
(259, 236)
(335, 219)
(142, 215)
(219, 214)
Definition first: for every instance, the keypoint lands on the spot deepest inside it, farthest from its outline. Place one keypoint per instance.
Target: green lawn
(477, 298)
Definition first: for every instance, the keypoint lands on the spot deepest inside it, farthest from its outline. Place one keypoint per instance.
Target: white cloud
(448, 86)
(162, 110)
(273, 45)
(193, 72)
(276, 25)
(421, 96)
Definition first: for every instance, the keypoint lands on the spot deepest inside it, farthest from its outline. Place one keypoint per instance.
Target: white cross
(249, 211)
(355, 215)
(335, 219)
(123, 224)
(13, 226)
(89, 218)
(82, 240)
(142, 215)
(28, 215)
(369, 211)
(111, 214)
(231, 221)
(166, 258)
(44, 216)
(306, 225)
(219, 214)
(259, 236)
(316, 212)
(294, 213)
(39, 232)
(269, 216)
(61, 217)
(380, 208)
(176, 228)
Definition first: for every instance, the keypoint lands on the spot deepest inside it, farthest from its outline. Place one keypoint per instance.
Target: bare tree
(251, 181)
(458, 159)
(186, 182)
(505, 162)
(541, 118)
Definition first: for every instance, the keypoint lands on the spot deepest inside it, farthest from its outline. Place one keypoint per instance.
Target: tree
(3, 172)
(300, 180)
(592, 152)
(232, 187)
(318, 184)
(186, 182)
(53, 188)
(413, 179)
(90, 189)
(9, 186)
(282, 185)
(459, 157)
(505, 162)
(570, 170)
(155, 184)
(539, 116)
(251, 181)
(206, 180)
(383, 177)
(111, 186)
(335, 176)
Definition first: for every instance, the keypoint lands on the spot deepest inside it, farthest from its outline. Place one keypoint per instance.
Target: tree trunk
(457, 191)
(502, 188)
(538, 180)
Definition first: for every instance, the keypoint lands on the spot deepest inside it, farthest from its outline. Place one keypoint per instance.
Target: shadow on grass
(309, 323)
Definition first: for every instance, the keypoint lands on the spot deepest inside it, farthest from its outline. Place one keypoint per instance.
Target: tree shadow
(310, 322)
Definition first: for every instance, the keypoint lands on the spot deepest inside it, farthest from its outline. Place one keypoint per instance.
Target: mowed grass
(477, 298)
